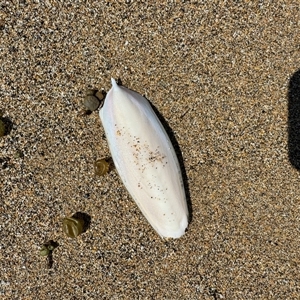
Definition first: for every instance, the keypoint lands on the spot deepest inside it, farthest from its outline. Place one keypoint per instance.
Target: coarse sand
(225, 77)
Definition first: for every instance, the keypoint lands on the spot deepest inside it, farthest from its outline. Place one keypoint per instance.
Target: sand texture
(225, 78)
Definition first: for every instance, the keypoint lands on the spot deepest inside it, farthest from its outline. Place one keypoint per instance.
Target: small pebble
(47, 248)
(72, 227)
(91, 102)
(101, 167)
(44, 251)
(99, 95)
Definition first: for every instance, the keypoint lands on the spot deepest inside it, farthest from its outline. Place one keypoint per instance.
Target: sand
(225, 77)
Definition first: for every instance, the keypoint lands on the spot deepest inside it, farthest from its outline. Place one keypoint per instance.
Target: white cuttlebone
(145, 160)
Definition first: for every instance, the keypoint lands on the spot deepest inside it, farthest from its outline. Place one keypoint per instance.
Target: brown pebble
(91, 102)
(101, 167)
(99, 95)
(72, 227)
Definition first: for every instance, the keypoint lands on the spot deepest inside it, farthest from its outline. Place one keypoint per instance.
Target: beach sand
(225, 78)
